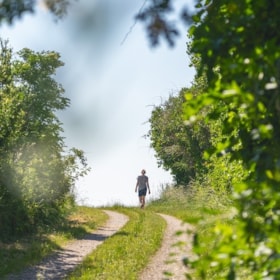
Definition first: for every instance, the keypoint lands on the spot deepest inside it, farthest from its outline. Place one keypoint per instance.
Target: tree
(238, 43)
(37, 174)
(179, 148)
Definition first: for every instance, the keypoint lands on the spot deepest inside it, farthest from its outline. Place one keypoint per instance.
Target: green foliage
(14, 9)
(206, 198)
(157, 24)
(179, 148)
(238, 44)
(37, 175)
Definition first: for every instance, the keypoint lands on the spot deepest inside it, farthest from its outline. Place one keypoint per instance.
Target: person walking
(142, 185)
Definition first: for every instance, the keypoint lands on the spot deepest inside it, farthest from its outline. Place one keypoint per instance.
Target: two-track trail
(59, 264)
(167, 259)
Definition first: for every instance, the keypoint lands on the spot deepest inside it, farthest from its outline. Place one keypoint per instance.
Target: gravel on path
(167, 263)
(59, 264)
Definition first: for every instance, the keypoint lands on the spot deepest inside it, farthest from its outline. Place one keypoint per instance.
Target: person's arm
(148, 186)
(137, 183)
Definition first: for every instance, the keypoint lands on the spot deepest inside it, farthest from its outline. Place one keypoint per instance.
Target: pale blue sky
(113, 88)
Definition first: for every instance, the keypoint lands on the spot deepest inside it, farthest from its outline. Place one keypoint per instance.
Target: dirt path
(58, 265)
(169, 257)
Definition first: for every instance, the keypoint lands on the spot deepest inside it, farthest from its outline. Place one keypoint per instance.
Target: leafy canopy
(179, 148)
(238, 44)
(37, 174)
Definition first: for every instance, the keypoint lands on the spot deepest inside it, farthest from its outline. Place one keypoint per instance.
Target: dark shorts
(143, 192)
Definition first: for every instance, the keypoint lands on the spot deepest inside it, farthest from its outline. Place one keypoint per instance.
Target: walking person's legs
(142, 201)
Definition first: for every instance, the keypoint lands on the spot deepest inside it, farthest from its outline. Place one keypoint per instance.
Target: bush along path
(176, 245)
(59, 264)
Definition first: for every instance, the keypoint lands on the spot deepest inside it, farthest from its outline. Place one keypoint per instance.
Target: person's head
(143, 171)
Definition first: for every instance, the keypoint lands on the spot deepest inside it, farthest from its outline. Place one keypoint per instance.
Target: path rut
(168, 261)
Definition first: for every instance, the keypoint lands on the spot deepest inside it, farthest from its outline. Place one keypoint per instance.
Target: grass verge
(14, 256)
(190, 205)
(126, 253)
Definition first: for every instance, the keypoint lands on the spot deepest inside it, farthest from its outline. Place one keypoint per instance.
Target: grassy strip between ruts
(18, 254)
(126, 253)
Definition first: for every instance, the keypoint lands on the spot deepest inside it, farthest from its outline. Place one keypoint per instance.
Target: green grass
(16, 255)
(191, 206)
(125, 254)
